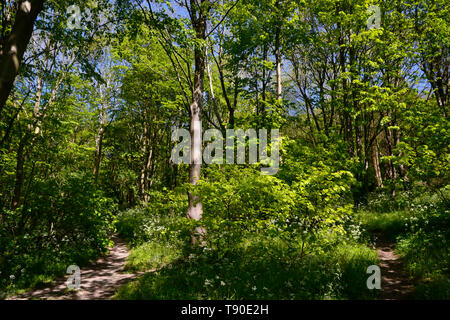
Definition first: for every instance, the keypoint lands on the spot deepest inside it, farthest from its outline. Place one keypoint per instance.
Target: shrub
(65, 221)
(237, 202)
(425, 250)
(161, 218)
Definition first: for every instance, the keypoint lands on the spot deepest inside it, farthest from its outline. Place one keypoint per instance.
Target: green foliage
(426, 151)
(130, 225)
(264, 239)
(66, 221)
(390, 224)
(151, 255)
(239, 201)
(236, 201)
(158, 220)
(425, 250)
(259, 269)
(364, 119)
(421, 226)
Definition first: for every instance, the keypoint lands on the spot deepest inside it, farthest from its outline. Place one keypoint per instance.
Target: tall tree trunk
(376, 165)
(346, 118)
(147, 163)
(264, 89)
(230, 107)
(35, 129)
(99, 138)
(437, 74)
(14, 47)
(278, 62)
(390, 148)
(198, 16)
(213, 98)
(143, 178)
(20, 176)
(401, 167)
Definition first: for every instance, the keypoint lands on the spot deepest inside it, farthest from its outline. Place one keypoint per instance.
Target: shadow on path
(395, 283)
(99, 281)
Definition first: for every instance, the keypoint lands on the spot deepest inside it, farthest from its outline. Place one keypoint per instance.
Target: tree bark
(198, 18)
(278, 62)
(14, 47)
(100, 134)
(213, 98)
(219, 64)
(15, 202)
(376, 165)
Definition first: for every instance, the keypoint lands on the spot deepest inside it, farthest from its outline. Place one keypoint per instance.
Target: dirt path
(99, 281)
(395, 284)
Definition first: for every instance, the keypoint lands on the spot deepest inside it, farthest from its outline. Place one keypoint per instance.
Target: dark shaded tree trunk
(20, 176)
(13, 48)
(376, 165)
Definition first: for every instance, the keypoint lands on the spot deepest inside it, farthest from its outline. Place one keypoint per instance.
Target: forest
(225, 149)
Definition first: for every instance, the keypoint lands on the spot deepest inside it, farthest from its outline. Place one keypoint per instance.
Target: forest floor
(395, 283)
(99, 281)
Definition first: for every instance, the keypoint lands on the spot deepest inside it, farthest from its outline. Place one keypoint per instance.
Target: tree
(199, 15)
(14, 43)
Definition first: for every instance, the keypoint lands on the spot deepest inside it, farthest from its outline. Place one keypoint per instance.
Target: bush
(65, 221)
(265, 239)
(238, 202)
(130, 225)
(425, 250)
(158, 220)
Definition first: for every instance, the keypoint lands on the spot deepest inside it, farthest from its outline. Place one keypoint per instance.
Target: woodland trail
(395, 283)
(99, 281)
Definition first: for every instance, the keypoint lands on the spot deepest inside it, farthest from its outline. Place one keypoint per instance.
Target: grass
(422, 233)
(434, 288)
(390, 224)
(37, 273)
(426, 253)
(258, 269)
(33, 279)
(151, 255)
